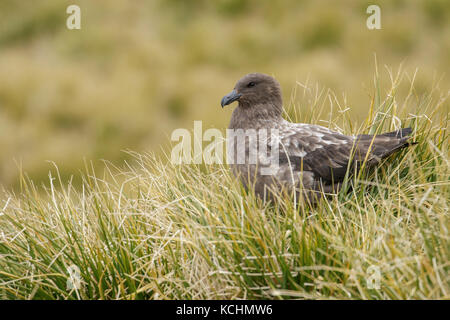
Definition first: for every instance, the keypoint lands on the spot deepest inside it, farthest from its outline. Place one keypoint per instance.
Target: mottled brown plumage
(311, 157)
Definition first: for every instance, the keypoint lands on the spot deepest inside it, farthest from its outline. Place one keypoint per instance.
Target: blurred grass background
(139, 69)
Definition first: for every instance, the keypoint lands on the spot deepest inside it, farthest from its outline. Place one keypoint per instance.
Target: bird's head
(256, 90)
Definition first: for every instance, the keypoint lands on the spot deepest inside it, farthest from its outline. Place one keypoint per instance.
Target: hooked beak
(229, 98)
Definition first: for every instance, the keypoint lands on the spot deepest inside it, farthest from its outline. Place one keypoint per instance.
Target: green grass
(153, 230)
(139, 69)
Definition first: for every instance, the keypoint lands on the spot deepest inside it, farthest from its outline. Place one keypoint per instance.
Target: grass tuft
(153, 230)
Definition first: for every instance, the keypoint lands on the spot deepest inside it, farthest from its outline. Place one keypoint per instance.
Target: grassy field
(153, 230)
(139, 69)
(135, 226)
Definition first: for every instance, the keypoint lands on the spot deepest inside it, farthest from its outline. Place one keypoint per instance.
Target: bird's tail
(402, 133)
(384, 145)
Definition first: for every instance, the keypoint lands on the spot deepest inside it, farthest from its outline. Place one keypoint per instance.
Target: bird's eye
(251, 84)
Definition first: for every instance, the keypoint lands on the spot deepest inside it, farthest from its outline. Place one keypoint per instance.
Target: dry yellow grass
(154, 230)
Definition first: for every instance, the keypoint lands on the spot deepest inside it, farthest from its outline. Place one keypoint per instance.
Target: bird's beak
(229, 98)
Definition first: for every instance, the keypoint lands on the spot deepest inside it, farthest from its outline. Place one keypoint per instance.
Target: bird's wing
(328, 154)
(319, 150)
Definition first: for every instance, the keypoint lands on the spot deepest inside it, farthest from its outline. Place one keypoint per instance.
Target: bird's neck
(255, 117)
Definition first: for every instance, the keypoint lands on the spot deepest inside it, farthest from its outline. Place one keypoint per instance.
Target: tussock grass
(153, 230)
(139, 69)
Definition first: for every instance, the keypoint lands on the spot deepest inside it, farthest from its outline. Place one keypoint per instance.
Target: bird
(310, 160)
